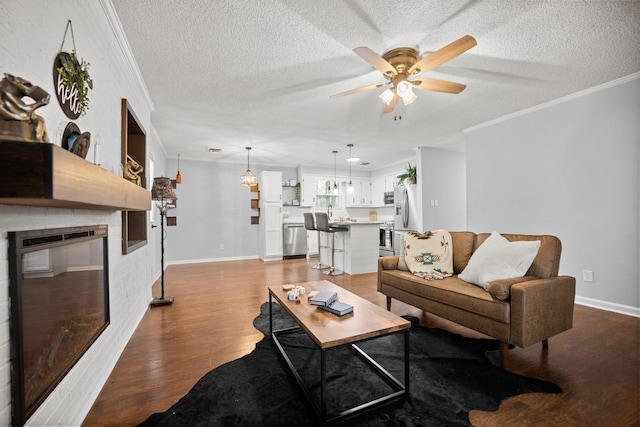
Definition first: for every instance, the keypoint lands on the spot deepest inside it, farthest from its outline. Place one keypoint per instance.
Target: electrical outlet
(221, 246)
(587, 275)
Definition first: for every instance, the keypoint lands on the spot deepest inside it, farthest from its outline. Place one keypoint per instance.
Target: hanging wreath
(75, 72)
(71, 80)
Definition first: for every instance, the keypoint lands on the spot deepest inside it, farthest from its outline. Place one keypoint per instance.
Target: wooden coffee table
(328, 331)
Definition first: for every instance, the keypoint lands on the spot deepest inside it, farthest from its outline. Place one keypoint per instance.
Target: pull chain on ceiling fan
(398, 65)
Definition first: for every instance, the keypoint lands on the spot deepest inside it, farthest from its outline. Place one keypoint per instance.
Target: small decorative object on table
(322, 297)
(337, 307)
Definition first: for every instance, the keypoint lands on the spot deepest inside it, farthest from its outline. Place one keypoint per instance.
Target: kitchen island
(360, 244)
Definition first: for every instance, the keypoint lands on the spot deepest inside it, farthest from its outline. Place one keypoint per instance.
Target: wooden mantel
(43, 174)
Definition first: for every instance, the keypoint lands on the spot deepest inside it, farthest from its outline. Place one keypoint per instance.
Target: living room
(568, 167)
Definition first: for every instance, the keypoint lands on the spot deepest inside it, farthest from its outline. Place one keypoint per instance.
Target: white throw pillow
(497, 258)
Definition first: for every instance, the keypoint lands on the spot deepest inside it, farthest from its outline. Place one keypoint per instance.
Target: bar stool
(309, 225)
(322, 225)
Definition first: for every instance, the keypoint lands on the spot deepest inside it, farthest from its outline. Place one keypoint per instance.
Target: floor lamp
(162, 192)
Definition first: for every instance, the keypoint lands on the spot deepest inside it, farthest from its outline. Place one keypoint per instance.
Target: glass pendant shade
(350, 187)
(248, 178)
(178, 175)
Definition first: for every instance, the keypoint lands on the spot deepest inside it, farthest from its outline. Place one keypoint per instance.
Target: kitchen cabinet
(361, 195)
(317, 191)
(312, 242)
(377, 191)
(271, 186)
(380, 185)
(308, 190)
(270, 226)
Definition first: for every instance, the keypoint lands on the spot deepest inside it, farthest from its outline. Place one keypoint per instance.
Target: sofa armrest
(541, 308)
(386, 263)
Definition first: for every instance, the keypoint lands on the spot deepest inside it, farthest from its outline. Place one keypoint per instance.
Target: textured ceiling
(233, 73)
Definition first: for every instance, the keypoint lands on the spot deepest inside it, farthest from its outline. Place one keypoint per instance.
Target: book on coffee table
(322, 298)
(337, 307)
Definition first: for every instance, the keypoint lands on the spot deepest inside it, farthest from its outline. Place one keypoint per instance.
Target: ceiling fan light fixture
(408, 97)
(403, 88)
(387, 96)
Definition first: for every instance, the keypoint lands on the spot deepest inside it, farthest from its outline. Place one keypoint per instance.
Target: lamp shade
(162, 189)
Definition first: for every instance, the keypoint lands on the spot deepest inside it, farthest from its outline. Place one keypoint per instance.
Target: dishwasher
(294, 240)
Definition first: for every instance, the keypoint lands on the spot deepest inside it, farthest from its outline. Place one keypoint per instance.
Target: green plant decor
(409, 176)
(297, 196)
(75, 71)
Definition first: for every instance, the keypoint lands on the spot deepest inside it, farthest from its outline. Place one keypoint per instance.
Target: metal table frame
(400, 390)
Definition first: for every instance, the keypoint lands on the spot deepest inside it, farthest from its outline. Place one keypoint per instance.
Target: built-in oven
(388, 198)
(386, 239)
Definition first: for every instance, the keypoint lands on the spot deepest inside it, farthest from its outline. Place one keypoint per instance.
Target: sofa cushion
(429, 254)
(463, 243)
(450, 291)
(497, 258)
(546, 264)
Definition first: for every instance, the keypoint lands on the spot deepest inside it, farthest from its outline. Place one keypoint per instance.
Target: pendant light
(178, 175)
(335, 179)
(350, 187)
(248, 178)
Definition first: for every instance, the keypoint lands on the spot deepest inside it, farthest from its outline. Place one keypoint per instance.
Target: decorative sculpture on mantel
(132, 171)
(18, 120)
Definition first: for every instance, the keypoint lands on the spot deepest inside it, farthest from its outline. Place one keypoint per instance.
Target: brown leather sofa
(521, 311)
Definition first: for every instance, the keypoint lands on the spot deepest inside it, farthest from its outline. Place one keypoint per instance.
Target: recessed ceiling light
(351, 158)
(215, 150)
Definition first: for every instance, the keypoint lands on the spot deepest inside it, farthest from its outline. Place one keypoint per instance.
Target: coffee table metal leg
(270, 315)
(323, 387)
(406, 361)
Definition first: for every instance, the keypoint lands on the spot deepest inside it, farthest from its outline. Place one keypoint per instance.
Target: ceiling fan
(400, 64)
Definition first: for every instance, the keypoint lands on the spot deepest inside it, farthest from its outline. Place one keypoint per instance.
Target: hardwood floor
(597, 363)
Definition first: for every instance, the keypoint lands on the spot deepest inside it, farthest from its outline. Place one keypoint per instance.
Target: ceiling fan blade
(436, 85)
(358, 90)
(442, 55)
(392, 105)
(375, 60)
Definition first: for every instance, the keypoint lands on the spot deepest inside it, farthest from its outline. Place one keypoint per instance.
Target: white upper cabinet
(270, 186)
(308, 190)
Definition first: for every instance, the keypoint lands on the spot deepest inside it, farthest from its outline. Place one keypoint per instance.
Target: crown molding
(123, 43)
(558, 101)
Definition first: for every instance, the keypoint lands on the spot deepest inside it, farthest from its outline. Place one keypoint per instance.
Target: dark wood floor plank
(597, 363)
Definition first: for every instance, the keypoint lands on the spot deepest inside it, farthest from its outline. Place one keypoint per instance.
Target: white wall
(569, 168)
(442, 189)
(31, 33)
(213, 209)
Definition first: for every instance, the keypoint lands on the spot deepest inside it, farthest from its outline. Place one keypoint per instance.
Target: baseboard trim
(198, 261)
(608, 306)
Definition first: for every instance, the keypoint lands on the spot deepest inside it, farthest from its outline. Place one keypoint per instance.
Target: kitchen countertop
(343, 223)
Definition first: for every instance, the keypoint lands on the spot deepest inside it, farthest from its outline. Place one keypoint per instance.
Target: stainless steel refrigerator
(405, 214)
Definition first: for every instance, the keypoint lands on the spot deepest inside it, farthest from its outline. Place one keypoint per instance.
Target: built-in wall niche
(134, 149)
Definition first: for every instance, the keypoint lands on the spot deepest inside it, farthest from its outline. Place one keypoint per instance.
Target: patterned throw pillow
(429, 254)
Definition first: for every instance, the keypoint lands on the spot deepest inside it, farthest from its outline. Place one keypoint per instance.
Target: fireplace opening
(59, 291)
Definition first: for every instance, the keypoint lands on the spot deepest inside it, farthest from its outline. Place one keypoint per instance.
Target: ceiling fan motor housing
(402, 59)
